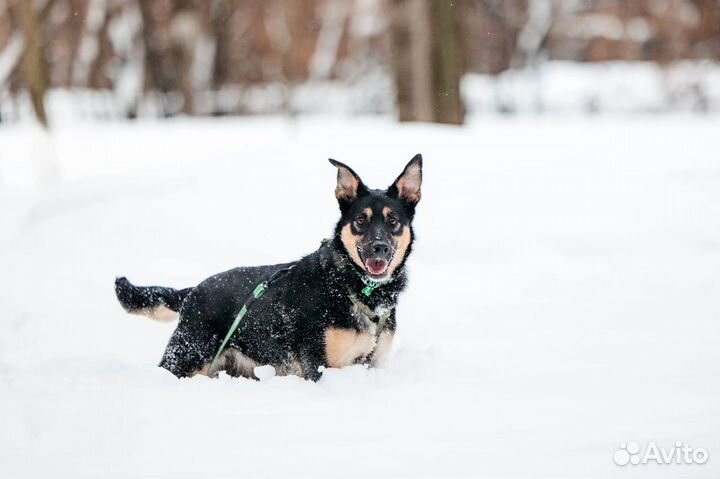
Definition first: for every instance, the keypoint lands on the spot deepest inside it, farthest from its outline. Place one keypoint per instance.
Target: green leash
(254, 296)
(370, 287)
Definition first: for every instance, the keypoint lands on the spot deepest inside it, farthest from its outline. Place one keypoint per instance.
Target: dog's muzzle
(377, 256)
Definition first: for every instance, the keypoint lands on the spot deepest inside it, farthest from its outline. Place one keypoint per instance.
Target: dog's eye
(392, 221)
(360, 220)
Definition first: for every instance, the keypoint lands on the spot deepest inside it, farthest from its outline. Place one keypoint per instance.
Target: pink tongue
(376, 266)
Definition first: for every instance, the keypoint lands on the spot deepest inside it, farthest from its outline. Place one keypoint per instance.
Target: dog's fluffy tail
(155, 302)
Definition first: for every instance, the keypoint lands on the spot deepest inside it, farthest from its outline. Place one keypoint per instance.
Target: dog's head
(375, 228)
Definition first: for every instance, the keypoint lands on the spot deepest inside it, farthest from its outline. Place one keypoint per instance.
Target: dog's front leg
(314, 362)
(313, 373)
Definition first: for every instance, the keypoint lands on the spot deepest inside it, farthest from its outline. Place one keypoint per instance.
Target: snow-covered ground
(609, 87)
(564, 298)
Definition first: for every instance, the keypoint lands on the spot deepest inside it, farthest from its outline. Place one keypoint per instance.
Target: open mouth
(376, 266)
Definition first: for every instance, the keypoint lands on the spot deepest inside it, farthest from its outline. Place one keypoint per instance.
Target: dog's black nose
(380, 247)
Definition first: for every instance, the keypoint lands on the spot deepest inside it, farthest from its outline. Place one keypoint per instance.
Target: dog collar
(371, 285)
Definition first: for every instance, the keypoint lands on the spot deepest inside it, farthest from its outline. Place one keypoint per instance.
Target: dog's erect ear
(407, 185)
(349, 185)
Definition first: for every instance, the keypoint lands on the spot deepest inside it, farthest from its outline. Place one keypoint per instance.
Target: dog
(330, 309)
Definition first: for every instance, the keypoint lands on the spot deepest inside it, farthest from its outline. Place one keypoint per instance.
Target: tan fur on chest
(344, 347)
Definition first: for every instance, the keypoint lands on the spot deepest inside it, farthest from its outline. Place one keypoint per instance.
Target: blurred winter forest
(425, 60)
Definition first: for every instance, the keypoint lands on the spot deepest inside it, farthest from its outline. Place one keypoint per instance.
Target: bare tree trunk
(334, 17)
(447, 61)
(410, 39)
(96, 75)
(221, 12)
(531, 44)
(185, 35)
(428, 60)
(34, 65)
(156, 57)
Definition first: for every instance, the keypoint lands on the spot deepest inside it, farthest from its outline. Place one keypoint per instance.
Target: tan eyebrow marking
(387, 211)
(368, 212)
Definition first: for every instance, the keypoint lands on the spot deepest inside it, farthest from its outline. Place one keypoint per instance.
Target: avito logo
(631, 453)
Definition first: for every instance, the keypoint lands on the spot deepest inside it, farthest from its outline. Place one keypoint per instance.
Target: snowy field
(564, 298)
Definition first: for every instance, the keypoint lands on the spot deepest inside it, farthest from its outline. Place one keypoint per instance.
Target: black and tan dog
(332, 308)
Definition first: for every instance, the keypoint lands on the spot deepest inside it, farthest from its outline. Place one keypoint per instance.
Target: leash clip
(260, 289)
